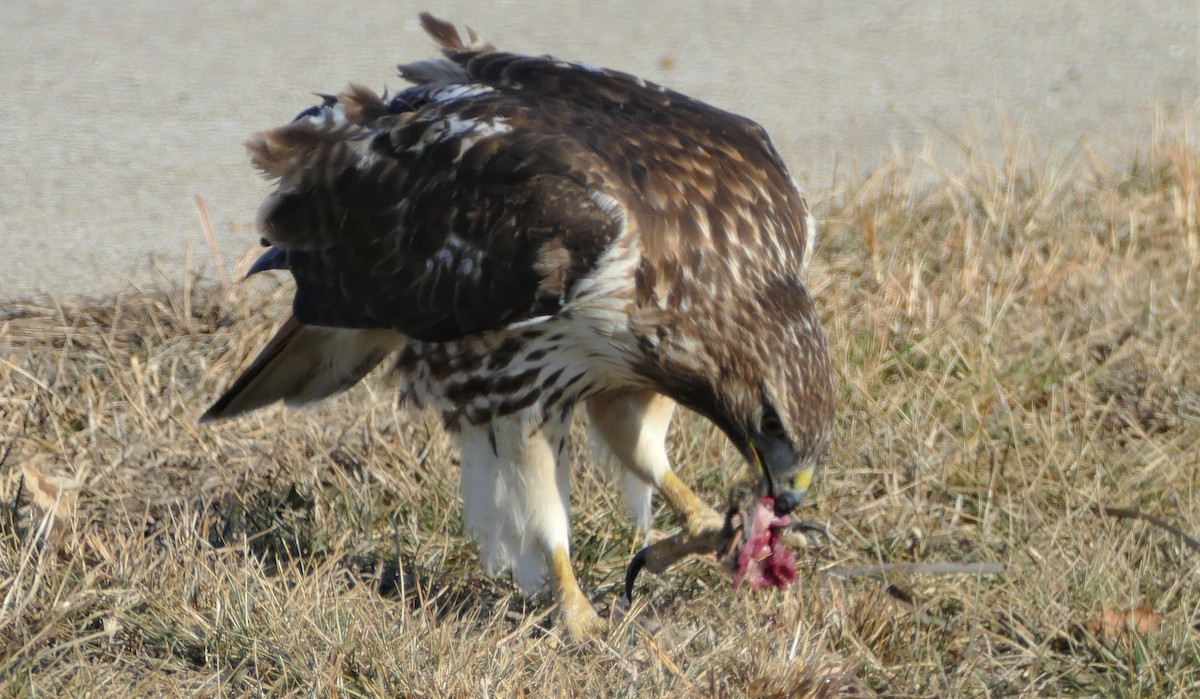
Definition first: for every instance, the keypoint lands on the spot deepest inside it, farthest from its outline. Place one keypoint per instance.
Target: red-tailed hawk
(529, 235)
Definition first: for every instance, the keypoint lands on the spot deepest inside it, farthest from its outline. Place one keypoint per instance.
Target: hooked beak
(786, 497)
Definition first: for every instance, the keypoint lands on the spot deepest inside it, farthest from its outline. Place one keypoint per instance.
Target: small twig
(902, 600)
(10, 523)
(1130, 513)
(652, 643)
(212, 242)
(396, 542)
(917, 568)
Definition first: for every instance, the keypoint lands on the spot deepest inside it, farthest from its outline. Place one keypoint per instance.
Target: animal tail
(303, 364)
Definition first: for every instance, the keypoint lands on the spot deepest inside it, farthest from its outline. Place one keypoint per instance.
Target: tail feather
(448, 37)
(303, 364)
(451, 67)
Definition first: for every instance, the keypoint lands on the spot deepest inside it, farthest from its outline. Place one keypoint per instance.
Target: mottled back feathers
(470, 202)
(489, 193)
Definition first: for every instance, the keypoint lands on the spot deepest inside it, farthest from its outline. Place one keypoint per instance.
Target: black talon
(635, 567)
(639, 559)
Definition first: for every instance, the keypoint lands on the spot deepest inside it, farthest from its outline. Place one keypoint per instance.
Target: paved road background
(116, 114)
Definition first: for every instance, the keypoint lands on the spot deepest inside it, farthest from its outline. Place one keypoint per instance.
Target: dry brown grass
(1017, 343)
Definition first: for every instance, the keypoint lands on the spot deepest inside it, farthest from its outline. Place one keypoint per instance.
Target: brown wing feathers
(434, 216)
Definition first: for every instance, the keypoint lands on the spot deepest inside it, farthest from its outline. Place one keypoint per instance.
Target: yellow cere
(802, 480)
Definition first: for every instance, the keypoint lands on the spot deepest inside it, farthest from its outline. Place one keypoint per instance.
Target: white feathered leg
(632, 427)
(628, 431)
(516, 497)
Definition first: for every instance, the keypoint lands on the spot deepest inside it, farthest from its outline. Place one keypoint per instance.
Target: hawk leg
(704, 531)
(516, 485)
(578, 616)
(633, 426)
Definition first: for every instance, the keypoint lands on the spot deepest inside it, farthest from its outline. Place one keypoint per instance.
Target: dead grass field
(1018, 347)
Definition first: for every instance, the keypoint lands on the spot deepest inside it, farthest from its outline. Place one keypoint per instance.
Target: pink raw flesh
(764, 560)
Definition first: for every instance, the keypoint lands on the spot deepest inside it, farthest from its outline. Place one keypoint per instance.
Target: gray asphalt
(116, 115)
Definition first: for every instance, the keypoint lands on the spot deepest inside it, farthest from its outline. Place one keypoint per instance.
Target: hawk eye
(771, 425)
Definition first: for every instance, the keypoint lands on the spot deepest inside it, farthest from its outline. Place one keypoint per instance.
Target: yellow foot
(578, 616)
(581, 621)
(704, 531)
(695, 513)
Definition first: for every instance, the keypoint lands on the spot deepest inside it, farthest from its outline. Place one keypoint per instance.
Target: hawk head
(777, 403)
(762, 374)
(767, 383)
